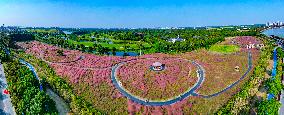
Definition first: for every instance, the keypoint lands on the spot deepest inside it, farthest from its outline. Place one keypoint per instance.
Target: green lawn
(224, 48)
(117, 44)
(42, 30)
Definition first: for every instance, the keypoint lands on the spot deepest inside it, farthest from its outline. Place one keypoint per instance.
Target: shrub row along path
(274, 70)
(6, 107)
(60, 104)
(232, 85)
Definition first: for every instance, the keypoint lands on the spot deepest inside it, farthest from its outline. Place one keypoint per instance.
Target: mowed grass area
(42, 30)
(225, 49)
(116, 44)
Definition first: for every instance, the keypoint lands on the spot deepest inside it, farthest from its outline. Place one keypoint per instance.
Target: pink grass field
(91, 77)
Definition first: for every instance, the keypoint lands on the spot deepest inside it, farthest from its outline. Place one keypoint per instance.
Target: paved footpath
(6, 107)
(60, 104)
(281, 110)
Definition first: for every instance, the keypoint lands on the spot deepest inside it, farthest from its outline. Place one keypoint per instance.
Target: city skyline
(137, 13)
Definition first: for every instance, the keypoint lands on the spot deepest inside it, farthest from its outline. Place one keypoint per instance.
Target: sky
(138, 13)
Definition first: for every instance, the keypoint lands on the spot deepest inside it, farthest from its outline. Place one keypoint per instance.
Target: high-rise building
(267, 24)
(2, 28)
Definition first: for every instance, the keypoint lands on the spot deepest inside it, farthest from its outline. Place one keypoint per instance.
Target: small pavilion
(237, 68)
(157, 66)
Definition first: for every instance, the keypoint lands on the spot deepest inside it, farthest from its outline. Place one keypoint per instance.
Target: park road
(6, 107)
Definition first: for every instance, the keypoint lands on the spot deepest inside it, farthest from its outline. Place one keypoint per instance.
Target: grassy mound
(224, 48)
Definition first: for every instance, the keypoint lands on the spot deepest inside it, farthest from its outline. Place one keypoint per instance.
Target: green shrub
(24, 90)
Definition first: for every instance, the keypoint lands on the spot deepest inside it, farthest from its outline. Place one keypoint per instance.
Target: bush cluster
(25, 91)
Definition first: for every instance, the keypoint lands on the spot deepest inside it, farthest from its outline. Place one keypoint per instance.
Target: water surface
(277, 32)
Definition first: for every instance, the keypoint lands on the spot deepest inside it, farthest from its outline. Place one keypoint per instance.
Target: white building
(178, 39)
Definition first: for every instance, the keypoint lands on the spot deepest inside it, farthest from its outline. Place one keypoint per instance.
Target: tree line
(157, 38)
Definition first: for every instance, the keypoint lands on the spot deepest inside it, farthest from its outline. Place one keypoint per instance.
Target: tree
(114, 51)
(60, 53)
(273, 105)
(4, 44)
(100, 49)
(25, 93)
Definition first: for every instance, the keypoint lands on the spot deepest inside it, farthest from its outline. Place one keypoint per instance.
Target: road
(6, 107)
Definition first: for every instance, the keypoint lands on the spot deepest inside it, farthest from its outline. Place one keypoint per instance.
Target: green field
(116, 43)
(224, 48)
(42, 30)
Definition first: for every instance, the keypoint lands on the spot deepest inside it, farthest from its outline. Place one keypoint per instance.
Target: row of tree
(65, 44)
(4, 43)
(25, 91)
(275, 86)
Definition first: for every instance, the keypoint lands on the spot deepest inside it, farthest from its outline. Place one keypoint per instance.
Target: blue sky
(138, 13)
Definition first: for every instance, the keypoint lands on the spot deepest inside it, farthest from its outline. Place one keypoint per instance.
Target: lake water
(277, 32)
(67, 32)
(122, 53)
(129, 53)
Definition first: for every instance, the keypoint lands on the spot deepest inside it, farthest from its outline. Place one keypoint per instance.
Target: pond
(122, 53)
(67, 32)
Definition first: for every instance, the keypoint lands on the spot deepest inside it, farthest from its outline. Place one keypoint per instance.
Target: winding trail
(191, 91)
(273, 75)
(60, 104)
(232, 85)
(142, 101)
(80, 58)
(274, 68)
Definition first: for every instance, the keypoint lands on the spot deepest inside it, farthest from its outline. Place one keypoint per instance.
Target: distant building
(259, 46)
(251, 46)
(2, 27)
(178, 39)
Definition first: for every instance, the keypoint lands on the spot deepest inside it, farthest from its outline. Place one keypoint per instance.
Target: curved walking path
(142, 101)
(30, 67)
(60, 104)
(274, 68)
(232, 85)
(80, 58)
(273, 75)
(201, 78)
